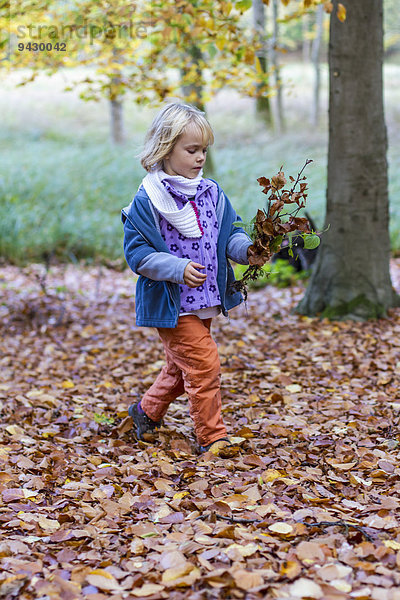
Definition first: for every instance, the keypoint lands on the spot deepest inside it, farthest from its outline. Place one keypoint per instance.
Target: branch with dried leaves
(279, 219)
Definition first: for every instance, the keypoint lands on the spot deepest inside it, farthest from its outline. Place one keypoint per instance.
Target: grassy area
(62, 184)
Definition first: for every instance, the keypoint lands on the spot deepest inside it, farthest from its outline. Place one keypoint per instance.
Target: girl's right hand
(192, 277)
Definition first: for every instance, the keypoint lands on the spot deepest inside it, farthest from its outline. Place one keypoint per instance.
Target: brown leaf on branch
(260, 216)
(301, 224)
(278, 181)
(267, 227)
(257, 258)
(276, 207)
(265, 183)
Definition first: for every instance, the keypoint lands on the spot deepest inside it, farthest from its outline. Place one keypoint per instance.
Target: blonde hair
(166, 128)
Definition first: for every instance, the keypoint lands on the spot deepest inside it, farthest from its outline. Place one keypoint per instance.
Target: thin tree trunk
(193, 90)
(351, 278)
(276, 67)
(116, 107)
(117, 121)
(263, 105)
(315, 56)
(194, 93)
(306, 42)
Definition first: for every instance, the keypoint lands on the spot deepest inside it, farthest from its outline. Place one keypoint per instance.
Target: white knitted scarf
(186, 219)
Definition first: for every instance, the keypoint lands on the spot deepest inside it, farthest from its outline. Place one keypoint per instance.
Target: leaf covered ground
(305, 505)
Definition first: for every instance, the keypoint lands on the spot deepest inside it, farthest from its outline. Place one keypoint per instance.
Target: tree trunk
(306, 42)
(315, 56)
(263, 105)
(194, 93)
(275, 63)
(351, 278)
(193, 90)
(117, 121)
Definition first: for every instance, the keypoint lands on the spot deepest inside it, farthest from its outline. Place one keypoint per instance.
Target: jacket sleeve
(238, 240)
(145, 260)
(162, 266)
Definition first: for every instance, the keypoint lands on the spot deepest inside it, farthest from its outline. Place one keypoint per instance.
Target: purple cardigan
(201, 250)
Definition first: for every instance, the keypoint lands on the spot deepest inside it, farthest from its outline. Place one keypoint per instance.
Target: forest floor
(304, 505)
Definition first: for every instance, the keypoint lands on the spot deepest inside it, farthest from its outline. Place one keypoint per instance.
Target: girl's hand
(192, 277)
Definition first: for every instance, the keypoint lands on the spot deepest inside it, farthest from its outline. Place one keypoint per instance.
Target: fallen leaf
(103, 579)
(341, 585)
(270, 475)
(283, 528)
(306, 588)
(247, 580)
(241, 550)
(181, 576)
(173, 559)
(294, 388)
(148, 589)
(310, 552)
(290, 569)
(67, 384)
(393, 544)
(49, 525)
(333, 571)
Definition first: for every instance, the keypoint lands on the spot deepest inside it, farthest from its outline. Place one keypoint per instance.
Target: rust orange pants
(192, 366)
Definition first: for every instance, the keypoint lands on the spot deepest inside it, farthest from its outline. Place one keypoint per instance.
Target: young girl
(179, 234)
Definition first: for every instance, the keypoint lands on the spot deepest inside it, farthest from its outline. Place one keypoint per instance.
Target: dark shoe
(208, 447)
(142, 422)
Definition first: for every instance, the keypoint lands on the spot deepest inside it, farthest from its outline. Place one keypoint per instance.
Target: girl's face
(188, 156)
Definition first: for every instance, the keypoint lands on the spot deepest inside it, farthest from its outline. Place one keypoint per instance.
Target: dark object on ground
(142, 422)
(302, 258)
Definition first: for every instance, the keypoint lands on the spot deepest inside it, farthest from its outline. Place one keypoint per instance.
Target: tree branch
(339, 523)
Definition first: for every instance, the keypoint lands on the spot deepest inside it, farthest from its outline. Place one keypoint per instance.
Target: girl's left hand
(192, 277)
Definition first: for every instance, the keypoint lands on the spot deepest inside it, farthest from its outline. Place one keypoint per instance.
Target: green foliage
(247, 226)
(311, 241)
(103, 419)
(281, 274)
(130, 44)
(276, 243)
